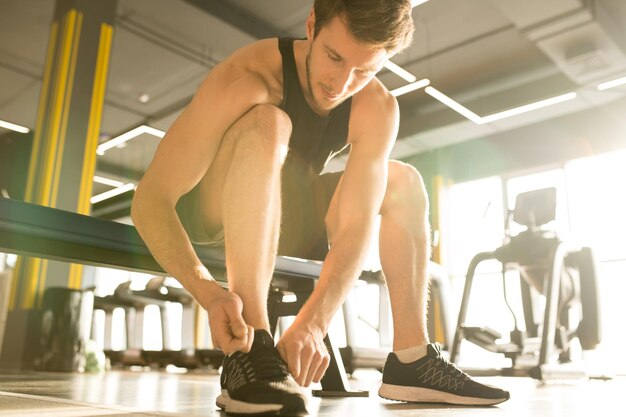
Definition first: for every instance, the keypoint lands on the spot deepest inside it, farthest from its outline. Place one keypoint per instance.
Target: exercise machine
(133, 327)
(560, 272)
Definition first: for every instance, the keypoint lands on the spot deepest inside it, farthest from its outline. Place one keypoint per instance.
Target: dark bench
(43, 232)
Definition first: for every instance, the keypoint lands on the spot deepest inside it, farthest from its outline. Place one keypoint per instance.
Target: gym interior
(513, 113)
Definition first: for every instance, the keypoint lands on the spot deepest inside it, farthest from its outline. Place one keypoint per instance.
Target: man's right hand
(229, 331)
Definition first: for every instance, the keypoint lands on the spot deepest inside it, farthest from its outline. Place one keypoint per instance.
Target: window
(591, 211)
(598, 216)
(474, 222)
(598, 203)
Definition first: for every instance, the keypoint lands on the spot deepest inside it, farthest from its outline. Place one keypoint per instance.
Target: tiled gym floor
(128, 393)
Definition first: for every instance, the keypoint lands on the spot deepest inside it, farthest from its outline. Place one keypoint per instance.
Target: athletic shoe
(432, 379)
(258, 382)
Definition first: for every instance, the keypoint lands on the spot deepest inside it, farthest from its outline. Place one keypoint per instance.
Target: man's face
(338, 66)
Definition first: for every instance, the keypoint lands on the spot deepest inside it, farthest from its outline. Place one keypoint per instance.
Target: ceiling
(488, 55)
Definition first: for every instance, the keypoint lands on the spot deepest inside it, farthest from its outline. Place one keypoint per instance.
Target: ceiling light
(144, 98)
(500, 115)
(528, 107)
(128, 136)
(400, 72)
(112, 193)
(410, 87)
(415, 3)
(453, 105)
(610, 84)
(12, 126)
(107, 181)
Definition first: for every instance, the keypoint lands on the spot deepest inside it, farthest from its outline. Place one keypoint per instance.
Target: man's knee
(405, 182)
(264, 127)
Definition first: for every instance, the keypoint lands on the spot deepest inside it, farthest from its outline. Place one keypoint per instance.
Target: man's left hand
(303, 349)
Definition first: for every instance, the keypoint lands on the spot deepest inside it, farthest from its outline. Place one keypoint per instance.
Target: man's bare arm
(181, 160)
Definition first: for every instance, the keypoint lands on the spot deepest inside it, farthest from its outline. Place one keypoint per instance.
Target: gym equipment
(133, 324)
(64, 330)
(44, 232)
(566, 276)
(158, 294)
(134, 302)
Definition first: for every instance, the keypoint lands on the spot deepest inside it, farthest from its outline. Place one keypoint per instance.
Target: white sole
(231, 406)
(425, 395)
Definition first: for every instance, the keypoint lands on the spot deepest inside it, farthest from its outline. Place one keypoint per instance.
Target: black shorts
(305, 201)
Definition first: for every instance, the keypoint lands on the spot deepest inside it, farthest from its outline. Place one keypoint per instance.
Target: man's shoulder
(260, 57)
(255, 69)
(261, 60)
(374, 102)
(374, 118)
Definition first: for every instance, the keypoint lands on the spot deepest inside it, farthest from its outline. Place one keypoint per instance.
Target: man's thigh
(263, 124)
(200, 210)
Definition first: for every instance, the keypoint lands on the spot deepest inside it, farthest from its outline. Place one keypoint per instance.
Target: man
(240, 168)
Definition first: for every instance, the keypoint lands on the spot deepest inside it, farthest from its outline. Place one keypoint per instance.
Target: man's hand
(304, 351)
(229, 331)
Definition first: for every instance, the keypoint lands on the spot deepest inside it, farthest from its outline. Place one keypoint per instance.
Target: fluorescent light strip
(410, 87)
(528, 107)
(13, 126)
(500, 115)
(112, 193)
(464, 111)
(415, 3)
(400, 72)
(154, 132)
(107, 181)
(610, 84)
(125, 137)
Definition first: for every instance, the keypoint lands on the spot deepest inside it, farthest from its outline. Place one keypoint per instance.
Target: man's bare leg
(404, 253)
(416, 373)
(241, 191)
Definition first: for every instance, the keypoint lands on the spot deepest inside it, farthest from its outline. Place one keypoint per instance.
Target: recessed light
(13, 126)
(112, 193)
(410, 87)
(610, 84)
(116, 141)
(415, 3)
(107, 181)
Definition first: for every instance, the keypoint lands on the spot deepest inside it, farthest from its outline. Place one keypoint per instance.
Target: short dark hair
(381, 23)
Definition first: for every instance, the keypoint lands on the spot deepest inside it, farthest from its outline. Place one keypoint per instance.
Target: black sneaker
(432, 379)
(258, 382)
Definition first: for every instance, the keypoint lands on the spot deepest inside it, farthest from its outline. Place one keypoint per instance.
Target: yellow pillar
(63, 156)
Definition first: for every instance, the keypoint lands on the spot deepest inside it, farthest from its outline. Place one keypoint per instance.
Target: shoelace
(265, 364)
(449, 367)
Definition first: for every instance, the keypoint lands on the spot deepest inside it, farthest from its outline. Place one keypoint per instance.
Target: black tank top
(314, 139)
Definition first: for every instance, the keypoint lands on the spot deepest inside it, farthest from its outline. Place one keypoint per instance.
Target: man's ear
(310, 25)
